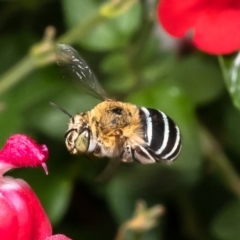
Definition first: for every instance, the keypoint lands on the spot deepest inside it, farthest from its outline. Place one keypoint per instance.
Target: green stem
(221, 162)
(16, 73)
(222, 66)
(75, 34)
(42, 54)
(37, 59)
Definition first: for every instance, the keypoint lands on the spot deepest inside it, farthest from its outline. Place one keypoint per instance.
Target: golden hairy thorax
(114, 123)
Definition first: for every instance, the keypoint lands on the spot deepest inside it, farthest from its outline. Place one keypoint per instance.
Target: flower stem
(42, 53)
(221, 162)
(75, 34)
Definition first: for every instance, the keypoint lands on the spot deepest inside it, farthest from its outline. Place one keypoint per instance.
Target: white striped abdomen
(162, 135)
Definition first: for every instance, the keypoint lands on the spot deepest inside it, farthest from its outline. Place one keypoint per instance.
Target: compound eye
(82, 142)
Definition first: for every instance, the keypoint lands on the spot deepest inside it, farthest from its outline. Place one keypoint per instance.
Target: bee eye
(82, 142)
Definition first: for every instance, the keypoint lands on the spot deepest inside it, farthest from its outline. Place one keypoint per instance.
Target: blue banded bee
(116, 129)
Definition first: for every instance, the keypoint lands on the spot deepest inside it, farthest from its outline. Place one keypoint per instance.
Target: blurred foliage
(121, 42)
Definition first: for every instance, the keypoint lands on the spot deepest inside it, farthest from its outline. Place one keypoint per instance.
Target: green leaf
(148, 182)
(231, 72)
(120, 79)
(56, 197)
(20, 103)
(10, 119)
(113, 33)
(115, 63)
(10, 50)
(120, 197)
(11, 102)
(199, 77)
(225, 226)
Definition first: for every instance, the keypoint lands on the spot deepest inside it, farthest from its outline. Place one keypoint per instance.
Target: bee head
(79, 138)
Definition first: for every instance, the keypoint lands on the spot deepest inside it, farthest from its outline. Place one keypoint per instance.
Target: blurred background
(135, 62)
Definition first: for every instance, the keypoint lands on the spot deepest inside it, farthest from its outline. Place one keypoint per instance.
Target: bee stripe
(176, 147)
(175, 154)
(165, 134)
(171, 138)
(149, 125)
(140, 154)
(161, 134)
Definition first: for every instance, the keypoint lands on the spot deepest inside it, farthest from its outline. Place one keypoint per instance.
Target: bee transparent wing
(110, 170)
(73, 66)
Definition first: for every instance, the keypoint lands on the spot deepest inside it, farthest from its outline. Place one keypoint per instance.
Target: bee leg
(142, 155)
(97, 151)
(127, 154)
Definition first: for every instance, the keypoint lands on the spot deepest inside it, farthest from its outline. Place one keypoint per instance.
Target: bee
(116, 129)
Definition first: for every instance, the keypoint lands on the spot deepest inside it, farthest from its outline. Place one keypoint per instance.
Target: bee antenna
(61, 109)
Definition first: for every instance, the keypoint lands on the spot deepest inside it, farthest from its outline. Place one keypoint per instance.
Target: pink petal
(21, 214)
(58, 237)
(8, 220)
(40, 222)
(22, 151)
(29, 219)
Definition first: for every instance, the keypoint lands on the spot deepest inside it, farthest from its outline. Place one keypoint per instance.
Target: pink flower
(21, 215)
(215, 24)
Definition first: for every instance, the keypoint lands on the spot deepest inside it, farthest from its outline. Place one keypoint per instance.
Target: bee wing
(110, 170)
(76, 68)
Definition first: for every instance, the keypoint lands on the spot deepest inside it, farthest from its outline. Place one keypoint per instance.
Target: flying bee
(116, 129)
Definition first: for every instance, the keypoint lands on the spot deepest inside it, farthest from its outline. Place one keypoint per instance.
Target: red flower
(215, 24)
(21, 214)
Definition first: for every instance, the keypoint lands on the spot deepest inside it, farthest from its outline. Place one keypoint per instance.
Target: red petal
(22, 151)
(179, 16)
(217, 32)
(215, 24)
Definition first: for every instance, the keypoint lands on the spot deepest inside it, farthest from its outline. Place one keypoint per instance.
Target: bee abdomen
(162, 135)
